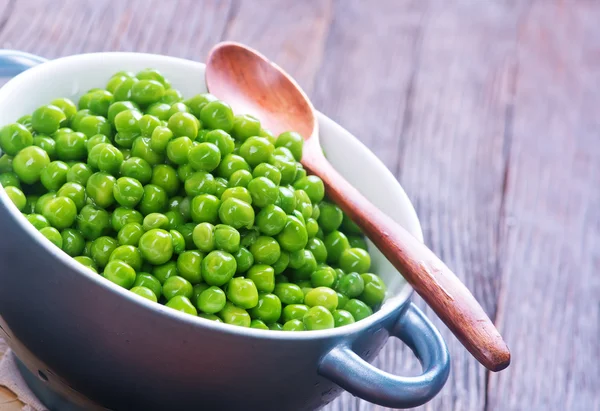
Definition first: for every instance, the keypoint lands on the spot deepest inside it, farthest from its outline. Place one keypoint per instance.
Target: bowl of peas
(159, 251)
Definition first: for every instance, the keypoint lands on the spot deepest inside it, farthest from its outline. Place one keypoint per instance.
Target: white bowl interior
(73, 76)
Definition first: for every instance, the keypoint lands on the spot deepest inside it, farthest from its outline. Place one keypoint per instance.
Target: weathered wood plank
(550, 301)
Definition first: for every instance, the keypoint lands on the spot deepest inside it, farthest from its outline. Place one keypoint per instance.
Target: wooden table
(486, 111)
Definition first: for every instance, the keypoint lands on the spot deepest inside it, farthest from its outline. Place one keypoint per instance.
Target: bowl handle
(13, 62)
(344, 367)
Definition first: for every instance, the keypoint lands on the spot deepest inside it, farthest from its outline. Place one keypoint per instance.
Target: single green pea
(26, 121)
(45, 143)
(358, 309)
(318, 318)
(218, 267)
(263, 277)
(269, 171)
(312, 227)
(130, 234)
(10, 179)
(282, 263)
(166, 177)
(266, 250)
(300, 218)
(71, 146)
(66, 106)
(335, 242)
(91, 125)
(165, 271)
(271, 220)
(175, 219)
(275, 327)
(303, 204)
(87, 262)
(183, 304)
(127, 124)
(118, 107)
(244, 260)
(294, 325)
(240, 178)
(240, 193)
(171, 96)
(330, 217)
(264, 192)
(236, 213)
(54, 175)
(87, 250)
(61, 212)
(94, 141)
(178, 150)
(156, 246)
(129, 254)
(351, 285)
(357, 241)
(155, 220)
(200, 182)
(375, 289)
(313, 186)
(138, 169)
(178, 241)
(29, 164)
(220, 186)
(297, 258)
(47, 119)
(79, 173)
(6, 163)
(177, 108)
(206, 208)
(196, 103)
(53, 235)
(212, 317)
(14, 138)
(256, 150)
(41, 202)
(128, 192)
(183, 124)
(30, 204)
(342, 317)
(258, 324)
(268, 308)
(105, 157)
(147, 124)
(142, 148)
(355, 259)
(17, 197)
(204, 237)
(99, 188)
(222, 140)
(152, 74)
(101, 249)
(289, 293)
(75, 192)
(245, 126)
(176, 285)
(148, 281)
(204, 157)
(323, 277)
(145, 92)
(286, 166)
(117, 79)
(342, 300)
(189, 265)
(231, 163)
(93, 222)
(349, 226)
(317, 247)
(235, 315)
(285, 152)
(286, 200)
(293, 237)
(38, 221)
(226, 238)
(99, 102)
(217, 115)
(212, 300)
(144, 292)
(294, 312)
(323, 296)
(160, 110)
(154, 199)
(292, 141)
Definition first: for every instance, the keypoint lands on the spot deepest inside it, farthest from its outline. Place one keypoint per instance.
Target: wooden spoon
(251, 84)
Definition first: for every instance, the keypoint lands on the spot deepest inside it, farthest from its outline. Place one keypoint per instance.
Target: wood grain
(486, 111)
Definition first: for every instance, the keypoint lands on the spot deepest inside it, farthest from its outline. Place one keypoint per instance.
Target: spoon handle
(428, 275)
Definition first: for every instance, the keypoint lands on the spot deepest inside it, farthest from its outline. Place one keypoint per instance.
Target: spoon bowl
(251, 84)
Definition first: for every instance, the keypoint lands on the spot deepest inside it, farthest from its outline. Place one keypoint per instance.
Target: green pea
(159, 110)
(178, 150)
(330, 217)
(293, 237)
(313, 186)
(222, 140)
(154, 199)
(94, 141)
(204, 157)
(118, 107)
(99, 188)
(75, 192)
(355, 259)
(177, 108)
(206, 208)
(286, 166)
(204, 237)
(318, 318)
(358, 309)
(342, 317)
(226, 238)
(38, 221)
(178, 241)
(130, 234)
(147, 124)
(47, 119)
(266, 250)
(303, 204)
(245, 126)
(212, 300)
(264, 192)
(189, 265)
(271, 220)
(292, 141)
(183, 124)
(323, 277)
(323, 296)
(269, 171)
(307, 268)
(138, 169)
(91, 125)
(141, 148)
(240, 178)
(145, 92)
(42, 201)
(61, 212)
(256, 150)
(6, 163)
(221, 186)
(196, 103)
(66, 106)
(284, 152)
(263, 277)
(268, 308)
(148, 281)
(174, 219)
(120, 273)
(197, 290)
(53, 235)
(312, 227)
(282, 262)
(156, 246)
(17, 197)
(240, 193)
(183, 304)
(235, 315)
(93, 222)
(144, 292)
(101, 249)
(10, 179)
(166, 177)
(244, 260)
(275, 327)
(155, 220)
(294, 312)
(14, 138)
(129, 254)
(87, 262)
(175, 286)
(152, 74)
(236, 213)
(212, 317)
(165, 271)
(75, 121)
(289, 293)
(218, 267)
(217, 115)
(286, 200)
(200, 182)
(230, 164)
(258, 324)
(294, 325)
(375, 289)
(99, 102)
(45, 143)
(335, 242)
(171, 96)
(317, 247)
(351, 285)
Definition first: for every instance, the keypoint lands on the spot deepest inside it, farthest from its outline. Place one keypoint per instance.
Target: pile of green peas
(186, 204)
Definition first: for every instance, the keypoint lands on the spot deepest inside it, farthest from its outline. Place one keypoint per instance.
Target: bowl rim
(325, 122)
